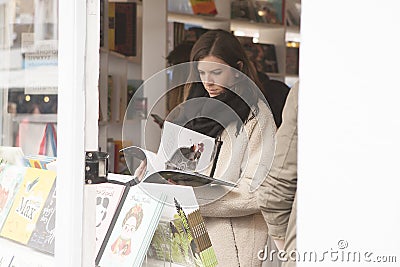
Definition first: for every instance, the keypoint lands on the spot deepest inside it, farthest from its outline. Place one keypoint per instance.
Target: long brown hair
(225, 46)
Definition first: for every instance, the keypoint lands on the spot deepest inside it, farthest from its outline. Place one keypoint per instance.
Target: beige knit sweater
(233, 219)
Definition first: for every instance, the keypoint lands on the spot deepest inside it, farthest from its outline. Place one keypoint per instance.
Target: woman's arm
(252, 165)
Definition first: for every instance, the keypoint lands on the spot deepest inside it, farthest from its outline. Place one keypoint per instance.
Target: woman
(224, 102)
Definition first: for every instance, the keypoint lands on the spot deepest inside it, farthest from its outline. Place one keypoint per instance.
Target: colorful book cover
(181, 236)
(38, 161)
(269, 11)
(11, 155)
(108, 197)
(131, 230)
(125, 28)
(111, 26)
(43, 237)
(183, 240)
(204, 7)
(10, 179)
(28, 204)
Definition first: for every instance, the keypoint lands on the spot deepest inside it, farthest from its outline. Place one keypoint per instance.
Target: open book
(184, 157)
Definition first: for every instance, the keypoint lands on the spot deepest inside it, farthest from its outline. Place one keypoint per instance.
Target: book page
(185, 149)
(142, 162)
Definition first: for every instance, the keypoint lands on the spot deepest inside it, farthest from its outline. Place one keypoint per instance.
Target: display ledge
(158, 263)
(234, 24)
(293, 34)
(36, 118)
(275, 75)
(245, 24)
(40, 76)
(119, 55)
(193, 19)
(14, 254)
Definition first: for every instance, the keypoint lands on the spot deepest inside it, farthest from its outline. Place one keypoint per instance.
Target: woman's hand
(141, 170)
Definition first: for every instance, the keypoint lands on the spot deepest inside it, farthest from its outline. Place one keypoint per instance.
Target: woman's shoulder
(262, 115)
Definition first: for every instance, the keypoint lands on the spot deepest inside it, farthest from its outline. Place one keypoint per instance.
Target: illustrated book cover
(131, 229)
(108, 196)
(184, 157)
(10, 179)
(27, 205)
(43, 237)
(181, 236)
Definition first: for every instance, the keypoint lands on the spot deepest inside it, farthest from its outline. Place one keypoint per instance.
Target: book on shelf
(292, 58)
(38, 161)
(184, 157)
(131, 228)
(243, 10)
(122, 28)
(263, 56)
(110, 90)
(193, 7)
(102, 8)
(43, 237)
(269, 11)
(11, 155)
(204, 7)
(11, 177)
(28, 204)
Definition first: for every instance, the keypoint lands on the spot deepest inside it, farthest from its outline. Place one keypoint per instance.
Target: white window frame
(77, 130)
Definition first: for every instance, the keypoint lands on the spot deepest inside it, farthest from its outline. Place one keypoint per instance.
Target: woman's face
(214, 75)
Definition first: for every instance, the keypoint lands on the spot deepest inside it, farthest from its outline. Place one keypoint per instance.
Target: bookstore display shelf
(14, 254)
(232, 24)
(245, 24)
(42, 118)
(41, 76)
(276, 75)
(157, 263)
(193, 19)
(293, 33)
(118, 55)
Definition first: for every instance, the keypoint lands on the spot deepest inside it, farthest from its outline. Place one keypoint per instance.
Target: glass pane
(29, 75)
(28, 126)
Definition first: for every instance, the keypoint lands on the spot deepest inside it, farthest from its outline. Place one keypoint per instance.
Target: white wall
(154, 50)
(349, 130)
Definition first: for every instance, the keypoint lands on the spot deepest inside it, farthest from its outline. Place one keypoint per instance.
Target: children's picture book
(131, 229)
(38, 161)
(11, 155)
(204, 7)
(108, 196)
(43, 237)
(181, 236)
(184, 157)
(28, 204)
(10, 180)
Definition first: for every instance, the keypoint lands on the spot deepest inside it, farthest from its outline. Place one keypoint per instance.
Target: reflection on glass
(29, 75)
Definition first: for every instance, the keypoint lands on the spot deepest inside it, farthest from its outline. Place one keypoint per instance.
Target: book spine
(111, 25)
